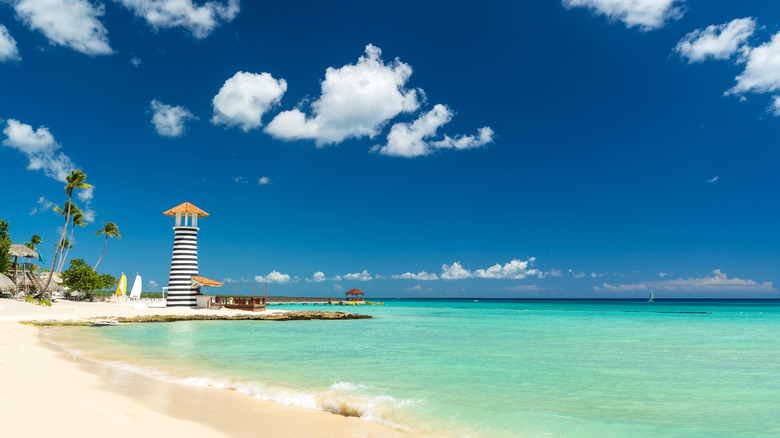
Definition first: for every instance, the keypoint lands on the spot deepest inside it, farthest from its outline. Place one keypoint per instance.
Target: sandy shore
(47, 392)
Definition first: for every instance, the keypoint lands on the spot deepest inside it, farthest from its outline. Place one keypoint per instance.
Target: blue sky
(572, 148)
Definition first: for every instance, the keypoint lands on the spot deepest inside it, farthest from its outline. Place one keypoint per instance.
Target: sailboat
(121, 288)
(651, 297)
(135, 292)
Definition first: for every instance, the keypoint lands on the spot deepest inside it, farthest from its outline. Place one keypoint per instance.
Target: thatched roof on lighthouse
(186, 208)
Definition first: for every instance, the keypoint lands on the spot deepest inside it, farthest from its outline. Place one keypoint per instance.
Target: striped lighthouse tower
(184, 263)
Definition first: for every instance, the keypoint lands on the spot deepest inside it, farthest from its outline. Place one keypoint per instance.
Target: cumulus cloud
(359, 276)
(8, 49)
(41, 149)
(153, 286)
(515, 269)
(169, 120)
(412, 139)
(762, 69)
(421, 276)
(718, 282)
(273, 277)
(68, 23)
(318, 277)
(454, 272)
(717, 41)
(644, 14)
(42, 206)
(200, 20)
(712, 180)
(244, 98)
(87, 194)
(264, 180)
(356, 101)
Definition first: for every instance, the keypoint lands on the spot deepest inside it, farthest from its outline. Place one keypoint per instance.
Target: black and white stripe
(184, 265)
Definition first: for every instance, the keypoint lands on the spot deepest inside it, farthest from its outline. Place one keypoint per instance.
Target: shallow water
(497, 368)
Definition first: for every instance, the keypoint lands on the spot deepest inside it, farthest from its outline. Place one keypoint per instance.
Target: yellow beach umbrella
(121, 289)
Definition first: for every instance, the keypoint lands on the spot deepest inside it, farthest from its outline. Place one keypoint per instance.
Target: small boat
(650, 300)
(135, 292)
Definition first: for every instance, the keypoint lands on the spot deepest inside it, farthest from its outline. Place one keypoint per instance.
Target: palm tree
(74, 210)
(34, 241)
(76, 219)
(110, 230)
(75, 181)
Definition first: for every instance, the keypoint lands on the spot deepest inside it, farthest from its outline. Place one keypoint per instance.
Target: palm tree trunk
(62, 239)
(67, 250)
(101, 254)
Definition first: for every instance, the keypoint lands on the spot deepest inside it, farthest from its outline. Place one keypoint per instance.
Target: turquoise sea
(489, 368)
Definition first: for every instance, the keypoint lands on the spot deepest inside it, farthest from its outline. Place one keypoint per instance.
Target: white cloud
(577, 274)
(460, 142)
(774, 107)
(244, 98)
(454, 272)
(645, 14)
(359, 276)
(515, 269)
(87, 194)
(421, 276)
(716, 41)
(762, 69)
(8, 49)
(318, 277)
(356, 101)
(43, 205)
(153, 285)
(718, 282)
(169, 120)
(411, 139)
(239, 179)
(338, 288)
(200, 20)
(712, 180)
(89, 214)
(264, 180)
(135, 61)
(418, 288)
(41, 149)
(273, 277)
(69, 23)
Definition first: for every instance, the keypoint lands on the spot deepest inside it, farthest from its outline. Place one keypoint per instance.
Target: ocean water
(488, 368)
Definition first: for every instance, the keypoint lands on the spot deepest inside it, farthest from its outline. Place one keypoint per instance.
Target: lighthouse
(182, 290)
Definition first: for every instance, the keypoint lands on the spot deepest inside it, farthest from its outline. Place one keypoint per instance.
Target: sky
(524, 149)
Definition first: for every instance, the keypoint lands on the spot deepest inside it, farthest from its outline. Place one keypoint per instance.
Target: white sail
(135, 292)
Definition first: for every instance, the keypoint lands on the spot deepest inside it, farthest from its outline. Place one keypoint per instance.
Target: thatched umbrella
(56, 281)
(19, 250)
(6, 284)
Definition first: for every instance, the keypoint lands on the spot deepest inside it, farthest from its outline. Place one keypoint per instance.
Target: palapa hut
(7, 285)
(352, 295)
(56, 281)
(20, 273)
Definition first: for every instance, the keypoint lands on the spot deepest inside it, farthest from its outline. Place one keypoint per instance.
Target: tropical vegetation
(5, 245)
(74, 181)
(110, 230)
(81, 277)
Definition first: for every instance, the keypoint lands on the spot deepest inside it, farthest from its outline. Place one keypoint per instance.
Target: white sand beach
(45, 391)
